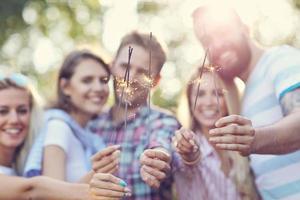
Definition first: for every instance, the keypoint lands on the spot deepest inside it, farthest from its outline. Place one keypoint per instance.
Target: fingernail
(195, 149)
(192, 142)
(127, 194)
(122, 183)
(127, 190)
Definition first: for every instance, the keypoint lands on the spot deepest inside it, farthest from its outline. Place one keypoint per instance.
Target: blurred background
(35, 35)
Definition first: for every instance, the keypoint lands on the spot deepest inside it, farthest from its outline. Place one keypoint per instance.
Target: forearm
(279, 138)
(44, 188)
(40, 188)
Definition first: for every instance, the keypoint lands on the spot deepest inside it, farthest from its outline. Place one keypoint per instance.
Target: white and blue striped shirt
(277, 72)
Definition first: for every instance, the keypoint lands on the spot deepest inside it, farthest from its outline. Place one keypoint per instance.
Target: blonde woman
(201, 170)
(19, 112)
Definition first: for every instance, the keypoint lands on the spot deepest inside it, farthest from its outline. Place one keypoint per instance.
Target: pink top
(204, 180)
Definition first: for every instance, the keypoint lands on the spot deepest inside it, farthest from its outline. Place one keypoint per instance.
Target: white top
(277, 73)
(7, 171)
(60, 134)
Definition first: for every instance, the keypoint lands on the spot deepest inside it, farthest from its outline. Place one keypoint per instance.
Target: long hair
(241, 173)
(22, 82)
(67, 70)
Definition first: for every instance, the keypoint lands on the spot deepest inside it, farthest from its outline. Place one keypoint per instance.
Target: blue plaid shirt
(145, 130)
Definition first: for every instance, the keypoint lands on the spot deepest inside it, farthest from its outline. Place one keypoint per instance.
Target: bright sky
(275, 22)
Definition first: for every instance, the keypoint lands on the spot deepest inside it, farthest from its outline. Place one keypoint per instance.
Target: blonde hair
(35, 117)
(240, 172)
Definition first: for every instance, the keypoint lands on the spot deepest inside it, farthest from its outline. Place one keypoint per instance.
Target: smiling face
(207, 110)
(88, 87)
(138, 76)
(14, 116)
(227, 39)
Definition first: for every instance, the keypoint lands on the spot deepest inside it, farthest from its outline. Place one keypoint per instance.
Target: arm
(56, 144)
(102, 186)
(41, 188)
(285, 133)
(54, 169)
(236, 132)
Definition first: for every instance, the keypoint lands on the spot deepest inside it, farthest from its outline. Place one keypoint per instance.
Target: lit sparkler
(200, 76)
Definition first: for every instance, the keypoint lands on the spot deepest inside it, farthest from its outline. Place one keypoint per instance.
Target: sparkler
(149, 80)
(201, 72)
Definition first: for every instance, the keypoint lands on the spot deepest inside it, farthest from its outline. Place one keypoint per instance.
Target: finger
(183, 149)
(158, 154)
(108, 178)
(107, 151)
(233, 147)
(107, 160)
(155, 163)
(106, 193)
(231, 139)
(94, 197)
(232, 129)
(154, 172)
(184, 142)
(237, 119)
(96, 183)
(108, 167)
(187, 134)
(149, 179)
(113, 170)
(187, 138)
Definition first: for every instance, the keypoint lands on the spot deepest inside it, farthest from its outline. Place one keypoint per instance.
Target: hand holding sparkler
(235, 133)
(107, 160)
(108, 187)
(155, 165)
(186, 145)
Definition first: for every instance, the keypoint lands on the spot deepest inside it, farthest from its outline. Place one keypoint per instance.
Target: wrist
(191, 159)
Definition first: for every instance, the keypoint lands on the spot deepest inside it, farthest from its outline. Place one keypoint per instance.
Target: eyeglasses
(17, 78)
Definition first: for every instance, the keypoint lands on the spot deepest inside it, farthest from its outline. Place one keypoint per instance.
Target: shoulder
(160, 116)
(161, 113)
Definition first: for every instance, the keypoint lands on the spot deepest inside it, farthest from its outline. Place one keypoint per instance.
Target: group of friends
(75, 149)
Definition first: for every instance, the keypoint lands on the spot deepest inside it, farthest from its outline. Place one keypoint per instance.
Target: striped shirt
(277, 73)
(205, 180)
(143, 131)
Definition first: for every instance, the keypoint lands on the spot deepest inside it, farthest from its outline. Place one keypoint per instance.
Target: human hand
(107, 160)
(155, 164)
(104, 186)
(186, 145)
(235, 133)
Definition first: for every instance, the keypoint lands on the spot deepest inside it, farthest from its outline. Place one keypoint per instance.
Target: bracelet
(192, 162)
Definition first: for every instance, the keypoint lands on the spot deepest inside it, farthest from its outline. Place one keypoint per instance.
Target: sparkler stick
(200, 76)
(126, 79)
(149, 71)
(126, 75)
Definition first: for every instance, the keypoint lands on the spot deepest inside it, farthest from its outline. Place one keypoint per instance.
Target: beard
(236, 64)
(134, 99)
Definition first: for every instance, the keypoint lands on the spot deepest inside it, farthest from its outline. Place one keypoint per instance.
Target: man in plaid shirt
(145, 137)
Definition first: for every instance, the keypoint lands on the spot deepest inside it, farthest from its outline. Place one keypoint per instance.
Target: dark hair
(143, 40)
(66, 72)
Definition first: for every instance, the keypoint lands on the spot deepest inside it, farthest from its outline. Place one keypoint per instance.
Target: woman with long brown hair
(203, 171)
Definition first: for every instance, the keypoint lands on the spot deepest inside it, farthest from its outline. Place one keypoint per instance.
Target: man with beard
(145, 136)
(269, 126)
